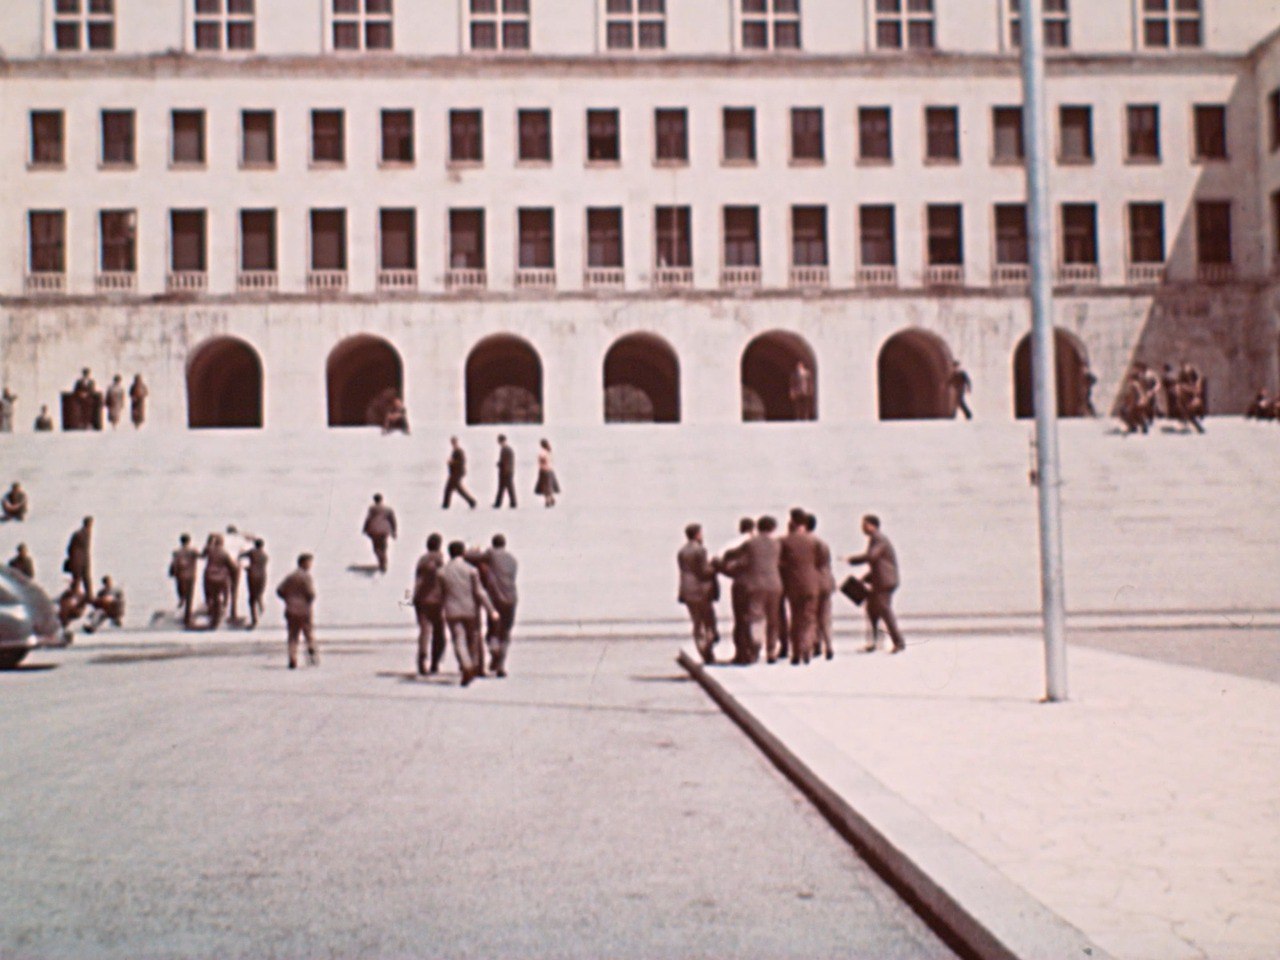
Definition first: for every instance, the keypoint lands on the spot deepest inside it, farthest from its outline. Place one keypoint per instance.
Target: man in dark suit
(15, 504)
(77, 563)
(183, 570)
(756, 562)
(882, 578)
(825, 626)
(379, 525)
(298, 591)
(498, 568)
(697, 590)
(506, 473)
(220, 572)
(428, 601)
(255, 575)
(725, 564)
(457, 470)
(801, 582)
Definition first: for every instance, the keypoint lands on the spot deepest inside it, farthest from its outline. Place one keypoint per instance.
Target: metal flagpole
(1043, 374)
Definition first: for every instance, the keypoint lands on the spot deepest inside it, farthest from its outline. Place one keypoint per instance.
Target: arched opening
(224, 385)
(504, 382)
(641, 381)
(773, 386)
(1070, 363)
(362, 376)
(914, 372)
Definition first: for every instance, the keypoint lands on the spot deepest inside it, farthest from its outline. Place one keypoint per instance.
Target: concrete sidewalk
(1141, 819)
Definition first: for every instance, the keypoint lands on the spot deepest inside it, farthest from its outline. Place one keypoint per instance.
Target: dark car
(27, 619)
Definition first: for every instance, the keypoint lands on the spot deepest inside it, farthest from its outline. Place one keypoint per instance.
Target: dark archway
(503, 382)
(224, 385)
(363, 373)
(914, 372)
(641, 381)
(1070, 361)
(768, 366)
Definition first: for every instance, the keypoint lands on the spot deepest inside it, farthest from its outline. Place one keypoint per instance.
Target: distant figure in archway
(802, 399)
(915, 371)
(961, 386)
(363, 375)
(774, 388)
(1088, 380)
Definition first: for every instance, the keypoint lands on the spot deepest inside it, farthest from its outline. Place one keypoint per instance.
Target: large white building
(581, 211)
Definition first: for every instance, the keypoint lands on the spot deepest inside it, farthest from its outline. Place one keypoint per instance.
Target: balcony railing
(881, 275)
(461, 279)
(1080, 273)
(116, 281)
(739, 278)
(604, 278)
(1011, 274)
(1146, 274)
(257, 281)
(398, 280)
(944, 275)
(41, 284)
(535, 278)
(187, 281)
(326, 281)
(672, 278)
(1216, 272)
(812, 277)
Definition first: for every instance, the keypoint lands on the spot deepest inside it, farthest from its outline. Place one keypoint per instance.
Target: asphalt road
(594, 805)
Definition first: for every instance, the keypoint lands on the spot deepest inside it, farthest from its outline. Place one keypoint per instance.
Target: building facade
(589, 211)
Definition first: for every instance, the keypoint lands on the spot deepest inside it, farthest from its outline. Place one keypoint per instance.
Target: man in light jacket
(464, 598)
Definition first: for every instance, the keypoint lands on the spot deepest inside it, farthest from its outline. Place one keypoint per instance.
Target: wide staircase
(1168, 523)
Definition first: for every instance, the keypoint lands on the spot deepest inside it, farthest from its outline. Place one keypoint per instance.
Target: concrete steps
(1164, 523)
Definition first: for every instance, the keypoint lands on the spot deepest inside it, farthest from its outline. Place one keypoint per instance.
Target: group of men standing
(782, 589)
(221, 576)
(1184, 397)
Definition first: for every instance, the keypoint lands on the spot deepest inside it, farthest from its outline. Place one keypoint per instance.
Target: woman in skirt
(547, 486)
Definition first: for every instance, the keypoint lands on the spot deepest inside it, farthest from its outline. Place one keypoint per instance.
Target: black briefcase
(854, 589)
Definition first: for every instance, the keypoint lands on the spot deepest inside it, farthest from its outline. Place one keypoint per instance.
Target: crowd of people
(1264, 407)
(83, 406)
(1177, 394)
(782, 588)
(546, 486)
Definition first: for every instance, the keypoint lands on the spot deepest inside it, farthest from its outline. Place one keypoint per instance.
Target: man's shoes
(500, 674)
(293, 664)
(467, 677)
(422, 668)
(313, 658)
(867, 648)
(901, 648)
(831, 654)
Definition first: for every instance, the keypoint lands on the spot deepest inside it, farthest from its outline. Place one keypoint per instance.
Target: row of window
(672, 245)
(398, 140)
(368, 25)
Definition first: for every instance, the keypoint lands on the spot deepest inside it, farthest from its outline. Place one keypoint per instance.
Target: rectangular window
(48, 147)
(258, 138)
(1273, 120)
(946, 235)
(770, 24)
(534, 136)
(877, 241)
(808, 236)
(671, 135)
(84, 25)
(673, 244)
(1146, 233)
(1007, 143)
(328, 239)
(875, 137)
(1143, 143)
(1012, 246)
(603, 136)
(1213, 232)
(499, 24)
(537, 239)
(942, 134)
(1079, 233)
(904, 24)
(1075, 135)
(398, 240)
(118, 138)
(119, 241)
(328, 138)
(362, 25)
(257, 240)
(1171, 23)
(604, 237)
(466, 239)
(397, 136)
(223, 24)
(739, 135)
(188, 137)
(1056, 19)
(806, 135)
(632, 24)
(466, 136)
(47, 236)
(741, 237)
(187, 241)
(1211, 132)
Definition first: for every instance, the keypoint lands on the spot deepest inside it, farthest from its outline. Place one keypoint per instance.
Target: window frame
(344, 248)
(481, 236)
(62, 249)
(411, 216)
(132, 162)
(1058, 18)
(588, 237)
(364, 23)
(1142, 158)
(602, 114)
(174, 162)
(499, 19)
(130, 215)
(225, 21)
(930, 158)
(33, 161)
(547, 157)
(1089, 155)
(314, 160)
(768, 20)
(1171, 19)
(410, 135)
(1019, 158)
(865, 115)
(245, 162)
(892, 235)
(549, 237)
(85, 21)
(673, 161)
(1199, 156)
(753, 243)
(901, 21)
(636, 19)
(271, 215)
(175, 212)
(1065, 241)
(752, 155)
(458, 115)
(1131, 235)
(817, 157)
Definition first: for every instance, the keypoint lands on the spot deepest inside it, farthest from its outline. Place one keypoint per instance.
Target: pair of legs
(186, 595)
(454, 485)
(506, 485)
(467, 646)
(824, 627)
(499, 636)
(743, 649)
(431, 637)
(299, 627)
(380, 549)
(702, 613)
(80, 579)
(880, 607)
(804, 626)
(216, 593)
(764, 617)
(257, 587)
